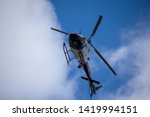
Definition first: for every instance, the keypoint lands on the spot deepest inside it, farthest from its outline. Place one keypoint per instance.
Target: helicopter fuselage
(79, 47)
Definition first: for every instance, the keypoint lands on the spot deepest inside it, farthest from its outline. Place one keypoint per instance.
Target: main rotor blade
(103, 59)
(59, 31)
(96, 26)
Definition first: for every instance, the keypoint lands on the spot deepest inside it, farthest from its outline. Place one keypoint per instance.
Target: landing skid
(66, 52)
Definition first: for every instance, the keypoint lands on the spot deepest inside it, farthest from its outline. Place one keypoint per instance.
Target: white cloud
(32, 64)
(134, 59)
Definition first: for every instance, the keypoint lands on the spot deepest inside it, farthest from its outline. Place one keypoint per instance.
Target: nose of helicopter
(74, 41)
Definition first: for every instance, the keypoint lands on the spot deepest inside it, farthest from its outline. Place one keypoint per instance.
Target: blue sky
(78, 15)
(81, 16)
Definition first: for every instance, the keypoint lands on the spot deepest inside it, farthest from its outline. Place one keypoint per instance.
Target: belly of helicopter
(82, 55)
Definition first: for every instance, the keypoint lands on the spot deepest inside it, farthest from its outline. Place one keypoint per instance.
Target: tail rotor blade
(96, 26)
(60, 31)
(108, 65)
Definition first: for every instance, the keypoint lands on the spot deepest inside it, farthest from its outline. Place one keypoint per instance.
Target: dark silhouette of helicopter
(80, 48)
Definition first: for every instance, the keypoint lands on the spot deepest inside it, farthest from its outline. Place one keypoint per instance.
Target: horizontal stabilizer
(94, 81)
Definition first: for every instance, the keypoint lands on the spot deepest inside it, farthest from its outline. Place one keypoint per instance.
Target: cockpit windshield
(76, 41)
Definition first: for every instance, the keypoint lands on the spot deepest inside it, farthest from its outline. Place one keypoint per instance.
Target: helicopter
(80, 47)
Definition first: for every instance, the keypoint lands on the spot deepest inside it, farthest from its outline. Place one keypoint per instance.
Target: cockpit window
(76, 41)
